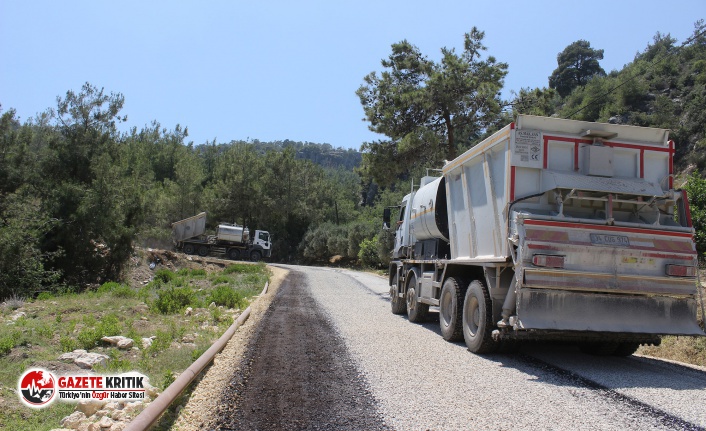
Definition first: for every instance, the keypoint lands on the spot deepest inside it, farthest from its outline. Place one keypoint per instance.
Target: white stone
(84, 359)
(89, 407)
(105, 422)
(146, 342)
(73, 420)
(188, 311)
(119, 341)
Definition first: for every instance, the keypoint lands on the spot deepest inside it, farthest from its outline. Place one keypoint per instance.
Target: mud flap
(577, 311)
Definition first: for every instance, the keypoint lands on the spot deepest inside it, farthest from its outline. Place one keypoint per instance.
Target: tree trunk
(450, 144)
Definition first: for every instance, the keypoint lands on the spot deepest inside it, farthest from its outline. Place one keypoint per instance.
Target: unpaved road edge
(198, 413)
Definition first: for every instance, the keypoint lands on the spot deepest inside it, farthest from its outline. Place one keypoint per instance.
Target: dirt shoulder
(199, 412)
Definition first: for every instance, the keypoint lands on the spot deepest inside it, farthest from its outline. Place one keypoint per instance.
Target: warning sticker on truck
(527, 148)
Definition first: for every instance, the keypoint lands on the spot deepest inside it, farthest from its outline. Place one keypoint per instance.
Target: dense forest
(77, 195)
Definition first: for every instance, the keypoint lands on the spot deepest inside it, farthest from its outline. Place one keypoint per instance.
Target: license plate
(611, 240)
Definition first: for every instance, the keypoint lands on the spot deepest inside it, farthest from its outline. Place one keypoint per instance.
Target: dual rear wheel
(466, 313)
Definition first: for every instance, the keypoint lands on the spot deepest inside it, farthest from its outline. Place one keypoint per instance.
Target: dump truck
(189, 236)
(551, 229)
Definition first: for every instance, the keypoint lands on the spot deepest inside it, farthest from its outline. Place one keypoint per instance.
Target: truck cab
(402, 229)
(262, 241)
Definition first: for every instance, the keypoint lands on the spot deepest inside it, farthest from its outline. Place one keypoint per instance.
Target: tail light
(548, 261)
(681, 270)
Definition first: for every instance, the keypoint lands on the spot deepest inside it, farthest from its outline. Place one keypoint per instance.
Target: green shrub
(228, 297)
(196, 353)
(107, 287)
(221, 279)
(88, 338)
(43, 296)
(124, 291)
(67, 344)
(368, 253)
(6, 345)
(109, 326)
(198, 272)
(164, 275)
(167, 378)
(174, 299)
(161, 342)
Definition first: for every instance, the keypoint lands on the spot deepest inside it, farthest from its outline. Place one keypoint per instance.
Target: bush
(43, 296)
(107, 287)
(221, 279)
(174, 299)
(117, 289)
(67, 344)
(696, 191)
(89, 336)
(368, 253)
(6, 345)
(228, 297)
(164, 275)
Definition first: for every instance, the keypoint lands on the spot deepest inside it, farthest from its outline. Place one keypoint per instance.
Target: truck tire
(399, 305)
(416, 311)
(478, 319)
(189, 249)
(233, 254)
(451, 309)
(203, 250)
(255, 256)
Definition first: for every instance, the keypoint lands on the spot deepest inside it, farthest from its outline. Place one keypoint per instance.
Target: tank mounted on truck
(551, 229)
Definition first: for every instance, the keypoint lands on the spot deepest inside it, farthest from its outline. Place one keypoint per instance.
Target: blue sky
(275, 70)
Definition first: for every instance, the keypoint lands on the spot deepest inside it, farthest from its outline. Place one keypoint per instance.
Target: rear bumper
(608, 283)
(564, 310)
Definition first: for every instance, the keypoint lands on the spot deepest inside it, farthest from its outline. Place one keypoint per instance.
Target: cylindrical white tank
(429, 215)
(231, 233)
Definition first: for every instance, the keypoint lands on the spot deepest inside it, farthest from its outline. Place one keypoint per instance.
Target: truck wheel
(478, 319)
(233, 253)
(255, 256)
(399, 306)
(203, 250)
(416, 311)
(189, 248)
(451, 309)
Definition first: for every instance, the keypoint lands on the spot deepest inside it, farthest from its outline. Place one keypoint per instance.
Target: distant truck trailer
(233, 241)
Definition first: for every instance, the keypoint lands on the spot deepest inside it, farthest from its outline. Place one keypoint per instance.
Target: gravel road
(339, 359)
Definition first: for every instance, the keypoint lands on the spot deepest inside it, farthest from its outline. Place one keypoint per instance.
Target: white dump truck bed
(191, 227)
(536, 155)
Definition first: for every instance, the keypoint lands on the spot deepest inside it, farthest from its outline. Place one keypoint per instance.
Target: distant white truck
(551, 229)
(231, 240)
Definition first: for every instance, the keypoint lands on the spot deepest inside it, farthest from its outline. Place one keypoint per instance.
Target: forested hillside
(77, 195)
